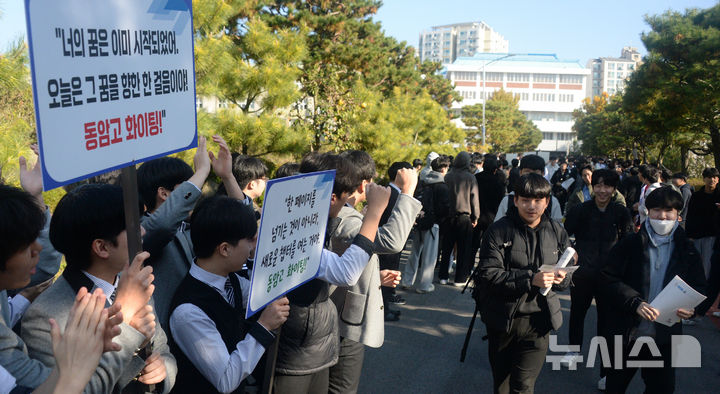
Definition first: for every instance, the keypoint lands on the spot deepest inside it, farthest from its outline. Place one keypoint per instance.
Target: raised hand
(406, 179)
(135, 287)
(390, 278)
(144, 321)
(222, 164)
(377, 197)
(77, 351)
(31, 179)
(154, 371)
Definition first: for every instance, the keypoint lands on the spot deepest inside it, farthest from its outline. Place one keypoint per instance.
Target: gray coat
(116, 369)
(360, 307)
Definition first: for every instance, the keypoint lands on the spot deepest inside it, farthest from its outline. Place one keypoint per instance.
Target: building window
(447, 51)
(544, 97)
(575, 79)
(464, 75)
(547, 136)
(563, 117)
(446, 35)
(518, 77)
(447, 43)
(491, 77)
(463, 42)
(620, 66)
(545, 78)
(522, 96)
(611, 66)
(198, 102)
(566, 98)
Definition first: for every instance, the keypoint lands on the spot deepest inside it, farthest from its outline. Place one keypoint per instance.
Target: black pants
(516, 357)
(345, 375)
(657, 380)
(581, 295)
(315, 383)
(713, 284)
(460, 231)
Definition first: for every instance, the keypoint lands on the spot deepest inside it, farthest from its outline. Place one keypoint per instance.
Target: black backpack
(426, 197)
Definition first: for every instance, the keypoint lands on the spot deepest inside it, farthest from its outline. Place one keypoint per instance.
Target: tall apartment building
(549, 90)
(446, 43)
(609, 74)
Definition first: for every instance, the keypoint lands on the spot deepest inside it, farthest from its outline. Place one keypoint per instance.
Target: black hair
(533, 186)
(287, 169)
(491, 164)
(503, 163)
(664, 197)
(22, 220)
(220, 219)
(417, 162)
(586, 167)
(515, 162)
(440, 162)
(86, 213)
(532, 162)
(246, 169)
(607, 177)
(347, 176)
(395, 167)
(680, 175)
(710, 172)
(476, 158)
(650, 173)
(163, 172)
(364, 163)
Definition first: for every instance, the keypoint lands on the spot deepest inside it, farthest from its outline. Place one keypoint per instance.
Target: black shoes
(392, 315)
(396, 299)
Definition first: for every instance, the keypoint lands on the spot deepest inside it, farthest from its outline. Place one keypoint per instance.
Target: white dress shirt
(197, 336)
(106, 287)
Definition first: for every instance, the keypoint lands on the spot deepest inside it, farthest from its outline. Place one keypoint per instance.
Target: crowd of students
(172, 320)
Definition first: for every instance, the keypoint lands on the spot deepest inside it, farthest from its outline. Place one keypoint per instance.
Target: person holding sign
(88, 227)
(309, 344)
(215, 346)
(509, 284)
(638, 268)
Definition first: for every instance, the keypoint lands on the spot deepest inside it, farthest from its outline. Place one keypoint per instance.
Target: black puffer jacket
(506, 269)
(596, 232)
(625, 280)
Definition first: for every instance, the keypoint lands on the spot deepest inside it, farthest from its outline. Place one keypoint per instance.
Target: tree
(241, 60)
(683, 69)
(507, 129)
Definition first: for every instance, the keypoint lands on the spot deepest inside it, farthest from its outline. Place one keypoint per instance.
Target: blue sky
(573, 29)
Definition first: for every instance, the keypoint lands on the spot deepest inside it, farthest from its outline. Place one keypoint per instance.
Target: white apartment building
(549, 90)
(444, 44)
(609, 74)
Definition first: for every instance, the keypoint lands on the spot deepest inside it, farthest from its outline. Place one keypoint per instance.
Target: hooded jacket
(463, 188)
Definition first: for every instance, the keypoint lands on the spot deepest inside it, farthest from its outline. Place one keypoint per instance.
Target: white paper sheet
(677, 294)
(565, 259)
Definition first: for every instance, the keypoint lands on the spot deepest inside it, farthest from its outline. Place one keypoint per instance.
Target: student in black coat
(637, 269)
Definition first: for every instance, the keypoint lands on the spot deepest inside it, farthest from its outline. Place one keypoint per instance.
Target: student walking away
(215, 346)
(680, 181)
(435, 199)
(638, 268)
(650, 177)
(464, 214)
(309, 344)
(491, 191)
(428, 167)
(630, 187)
(517, 316)
(513, 175)
(530, 164)
(597, 225)
(359, 307)
(703, 216)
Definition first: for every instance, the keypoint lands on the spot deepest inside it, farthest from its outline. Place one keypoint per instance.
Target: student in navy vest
(216, 347)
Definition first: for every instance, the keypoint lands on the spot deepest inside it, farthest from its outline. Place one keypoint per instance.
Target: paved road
(422, 351)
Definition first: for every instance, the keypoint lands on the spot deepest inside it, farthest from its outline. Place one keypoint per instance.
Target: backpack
(426, 197)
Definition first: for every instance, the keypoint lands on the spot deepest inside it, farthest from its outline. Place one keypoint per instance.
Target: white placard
(291, 235)
(113, 83)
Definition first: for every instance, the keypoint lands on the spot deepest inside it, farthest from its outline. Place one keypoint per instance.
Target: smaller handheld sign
(291, 237)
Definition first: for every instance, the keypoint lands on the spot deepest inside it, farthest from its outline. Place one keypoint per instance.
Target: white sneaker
(716, 314)
(601, 383)
(443, 281)
(570, 360)
(689, 322)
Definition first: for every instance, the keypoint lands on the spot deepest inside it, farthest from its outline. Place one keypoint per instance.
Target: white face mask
(662, 227)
